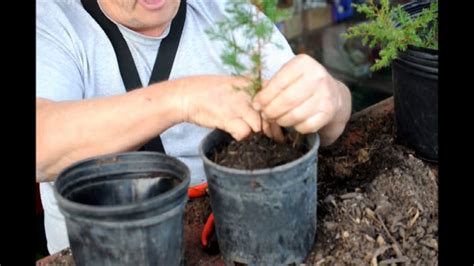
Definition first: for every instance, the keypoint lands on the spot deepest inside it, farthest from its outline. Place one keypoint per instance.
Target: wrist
(170, 101)
(182, 100)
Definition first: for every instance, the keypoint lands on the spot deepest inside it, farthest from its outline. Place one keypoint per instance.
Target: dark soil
(196, 213)
(258, 151)
(377, 203)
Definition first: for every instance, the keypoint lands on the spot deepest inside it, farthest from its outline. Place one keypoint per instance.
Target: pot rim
(258, 172)
(114, 211)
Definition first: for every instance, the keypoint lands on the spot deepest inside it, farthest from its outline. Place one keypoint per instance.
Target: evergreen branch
(393, 29)
(258, 31)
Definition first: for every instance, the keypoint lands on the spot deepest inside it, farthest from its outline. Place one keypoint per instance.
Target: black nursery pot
(419, 60)
(416, 109)
(125, 209)
(415, 83)
(425, 54)
(266, 216)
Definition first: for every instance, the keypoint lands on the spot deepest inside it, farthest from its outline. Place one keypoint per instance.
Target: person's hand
(214, 102)
(303, 95)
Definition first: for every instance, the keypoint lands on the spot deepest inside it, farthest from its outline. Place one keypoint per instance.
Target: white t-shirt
(75, 60)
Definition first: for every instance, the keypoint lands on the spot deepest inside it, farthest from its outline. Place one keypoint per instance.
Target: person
(83, 109)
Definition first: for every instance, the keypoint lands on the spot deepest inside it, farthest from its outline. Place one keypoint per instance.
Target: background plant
(394, 29)
(243, 18)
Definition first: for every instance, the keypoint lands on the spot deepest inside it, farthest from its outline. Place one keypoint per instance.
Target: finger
(238, 128)
(280, 80)
(314, 123)
(267, 130)
(277, 133)
(291, 97)
(300, 113)
(250, 116)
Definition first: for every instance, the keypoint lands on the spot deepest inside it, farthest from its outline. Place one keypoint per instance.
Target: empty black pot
(125, 209)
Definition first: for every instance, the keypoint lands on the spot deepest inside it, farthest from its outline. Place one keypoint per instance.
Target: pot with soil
(263, 195)
(408, 36)
(415, 83)
(125, 209)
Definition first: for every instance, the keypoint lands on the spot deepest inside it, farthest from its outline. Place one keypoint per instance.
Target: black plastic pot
(266, 216)
(415, 83)
(419, 65)
(415, 7)
(125, 209)
(418, 61)
(425, 54)
(416, 109)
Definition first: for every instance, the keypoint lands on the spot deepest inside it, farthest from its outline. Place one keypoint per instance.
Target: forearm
(67, 132)
(334, 129)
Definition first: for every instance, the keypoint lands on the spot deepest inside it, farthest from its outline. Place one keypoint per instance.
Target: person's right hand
(214, 102)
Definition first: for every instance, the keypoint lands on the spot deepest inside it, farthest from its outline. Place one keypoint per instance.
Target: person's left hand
(303, 95)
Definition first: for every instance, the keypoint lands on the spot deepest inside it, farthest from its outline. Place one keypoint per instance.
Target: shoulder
(64, 21)
(212, 10)
(60, 29)
(56, 13)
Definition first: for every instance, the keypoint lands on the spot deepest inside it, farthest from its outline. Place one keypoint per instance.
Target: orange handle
(197, 191)
(207, 231)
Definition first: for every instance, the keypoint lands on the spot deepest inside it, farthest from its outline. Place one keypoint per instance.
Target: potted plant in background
(408, 37)
(263, 193)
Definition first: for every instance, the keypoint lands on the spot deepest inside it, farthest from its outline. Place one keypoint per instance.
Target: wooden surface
(379, 109)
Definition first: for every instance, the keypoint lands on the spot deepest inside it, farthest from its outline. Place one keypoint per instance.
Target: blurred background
(315, 29)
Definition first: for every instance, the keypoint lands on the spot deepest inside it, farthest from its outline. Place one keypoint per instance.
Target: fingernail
(257, 106)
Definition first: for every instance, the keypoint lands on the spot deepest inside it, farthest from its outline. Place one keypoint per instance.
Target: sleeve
(58, 75)
(275, 57)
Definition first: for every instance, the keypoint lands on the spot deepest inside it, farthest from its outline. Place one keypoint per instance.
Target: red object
(207, 232)
(197, 191)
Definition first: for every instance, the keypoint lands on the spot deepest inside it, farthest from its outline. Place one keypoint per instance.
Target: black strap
(128, 70)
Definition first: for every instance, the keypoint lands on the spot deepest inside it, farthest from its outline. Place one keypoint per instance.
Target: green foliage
(382, 29)
(244, 18)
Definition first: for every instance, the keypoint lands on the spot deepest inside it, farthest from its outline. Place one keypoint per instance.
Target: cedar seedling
(393, 29)
(245, 19)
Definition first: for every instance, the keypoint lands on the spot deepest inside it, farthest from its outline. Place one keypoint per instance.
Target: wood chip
(431, 243)
(369, 238)
(380, 240)
(351, 195)
(396, 260)
(377, 253)
(413, 220)
(345, 234)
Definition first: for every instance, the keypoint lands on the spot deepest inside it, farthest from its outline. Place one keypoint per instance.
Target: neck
(151, 32)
